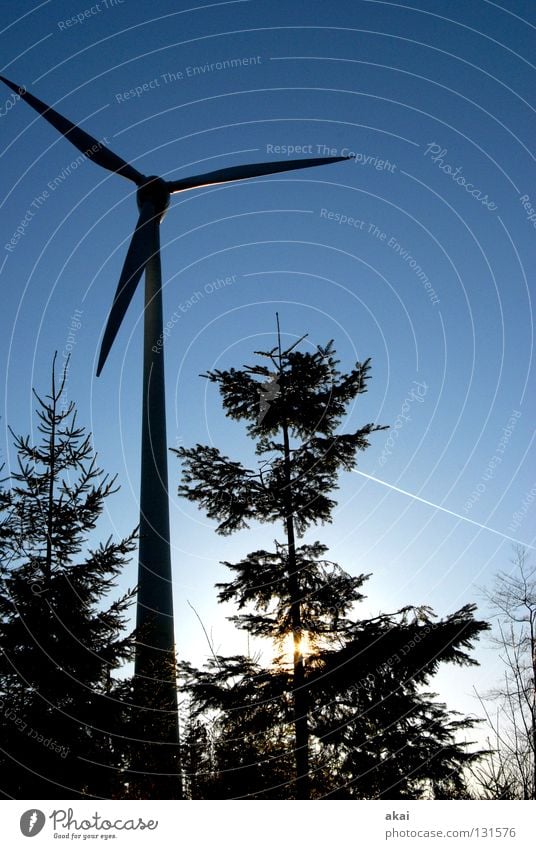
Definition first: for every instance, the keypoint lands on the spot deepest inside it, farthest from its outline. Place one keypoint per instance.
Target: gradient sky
(422, 95)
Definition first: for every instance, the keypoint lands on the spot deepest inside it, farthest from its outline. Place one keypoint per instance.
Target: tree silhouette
(64, 713)
(509, 770)
(345, 725)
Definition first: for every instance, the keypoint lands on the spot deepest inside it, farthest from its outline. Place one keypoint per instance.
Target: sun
(285, 648)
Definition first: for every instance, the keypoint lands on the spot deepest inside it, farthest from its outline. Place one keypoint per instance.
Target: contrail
(443, 509)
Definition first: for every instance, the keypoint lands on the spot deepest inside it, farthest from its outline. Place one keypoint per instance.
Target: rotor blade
(85, 143)
(139, 252)
(245, 172)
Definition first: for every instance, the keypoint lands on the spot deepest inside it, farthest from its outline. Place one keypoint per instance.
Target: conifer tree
(356, 731)
(293, 407)
(64, 717)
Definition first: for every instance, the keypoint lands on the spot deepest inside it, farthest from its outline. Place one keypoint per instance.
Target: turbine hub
(155, 190)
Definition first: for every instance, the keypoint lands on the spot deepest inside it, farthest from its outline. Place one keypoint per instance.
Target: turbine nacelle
(154, 190)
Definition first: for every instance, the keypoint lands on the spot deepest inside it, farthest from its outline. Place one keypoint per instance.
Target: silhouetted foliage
(64, 714)
(347, 716)
(509, 770)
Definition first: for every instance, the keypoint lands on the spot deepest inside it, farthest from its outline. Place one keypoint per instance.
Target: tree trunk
(50, 505)
(299, 692)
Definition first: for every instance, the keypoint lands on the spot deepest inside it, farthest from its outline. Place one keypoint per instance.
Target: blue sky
(432, 278)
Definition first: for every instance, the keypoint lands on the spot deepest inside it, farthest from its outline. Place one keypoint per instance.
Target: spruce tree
(357, 732)
(65, 718)
(293, 407)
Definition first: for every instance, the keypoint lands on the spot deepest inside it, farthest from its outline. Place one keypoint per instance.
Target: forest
(346, 710)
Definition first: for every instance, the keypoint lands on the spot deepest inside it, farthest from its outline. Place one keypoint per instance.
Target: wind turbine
(154, 618)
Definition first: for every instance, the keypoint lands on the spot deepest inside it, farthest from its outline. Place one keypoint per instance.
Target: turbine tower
(154, 675)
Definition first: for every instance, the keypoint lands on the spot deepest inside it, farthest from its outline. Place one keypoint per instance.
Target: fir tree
(381, 732)
(239, 738)
(293, 407)
(354, 735)
(64, 714)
